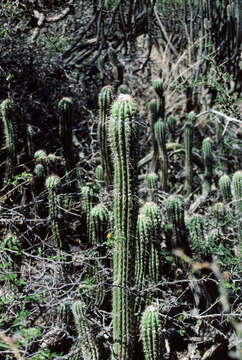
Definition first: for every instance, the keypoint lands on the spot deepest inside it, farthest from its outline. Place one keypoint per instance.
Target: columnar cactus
(151, 333)
(225, 187)
(171, 125)
(160, 136)
(158, 87)
(8, 115)
(152, 210)
(237, 189)
(152, 183)
(99, 223)
(99, 174)
(207, 145)
(144, 238)
(86, 339)
(175, 213)
(105, 101)
(123, 138)
(52, 183)
(188, 140)
(65, 107)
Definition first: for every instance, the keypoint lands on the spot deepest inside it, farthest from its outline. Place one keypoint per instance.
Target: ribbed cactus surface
(123, 138)
(105, 100)
(151, 333)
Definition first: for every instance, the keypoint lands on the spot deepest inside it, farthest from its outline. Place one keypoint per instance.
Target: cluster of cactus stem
(137, 234)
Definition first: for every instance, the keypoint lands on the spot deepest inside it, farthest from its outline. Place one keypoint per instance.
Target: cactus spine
(52, 183)
(151, 333)
(188, 139)
(105, 101)
(7, 110)
(123, 136)
(86, 339)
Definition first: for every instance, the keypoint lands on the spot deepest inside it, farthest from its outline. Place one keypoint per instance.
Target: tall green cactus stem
(158, 87)
(144, 238)
(65, 108)
(99, 223)
(171, 125)
(153, 185)
(105, 101)
(154, 116)
(152, 210)
(151, 333)
(225, 188)
(175, 214)
(8, 115)
(188, 141)
(196, 229)
(237, 189)
(207, 145)
(86, 339)
(52, 183)
(160, 136)
(123, 138)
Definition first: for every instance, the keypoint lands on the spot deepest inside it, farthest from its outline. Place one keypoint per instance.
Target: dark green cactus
(225, 188)
(143, 242)
(237, 189)
(99, 174)
(65, 107)
(151, 333)
(123, 89)
(196, 230)
(123, 138)
(158, 87)
(188, 142)
(160, 137)
(171, 125)
(152, 211)
(86, 338)
(153, 185)
(40, 157)
(52, 183)
(8, 115)
(175, 213)
(207, 150)
(105, 101)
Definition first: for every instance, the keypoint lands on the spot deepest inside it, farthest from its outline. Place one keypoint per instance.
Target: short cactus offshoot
(151, 333)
